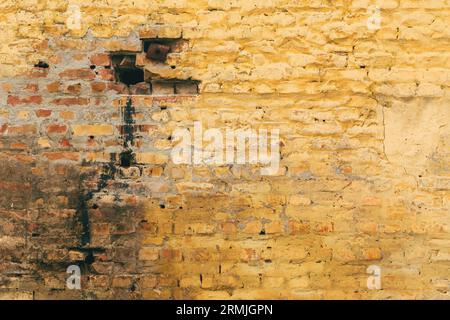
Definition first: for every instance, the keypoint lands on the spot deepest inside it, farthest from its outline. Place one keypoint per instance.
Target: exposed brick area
(86, 176)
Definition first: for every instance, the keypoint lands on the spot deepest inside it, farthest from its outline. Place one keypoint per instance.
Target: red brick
(118, 87)
(78, 74)
(43, 113)
(98, 86)
(32, 87)
(3, 128)
(73, 88)
(15, 100)
(19, 145)
(65, 143)
(99, 100)
(101, 60)
(71, 101)
(106, 74)
(22, 129)
(14, 185)
(24, 158)
(56, 128)
(35, 99)
(38, 73)
(53, 87)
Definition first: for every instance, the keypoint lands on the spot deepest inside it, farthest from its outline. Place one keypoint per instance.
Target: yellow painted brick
(151, 158)
(92, 129)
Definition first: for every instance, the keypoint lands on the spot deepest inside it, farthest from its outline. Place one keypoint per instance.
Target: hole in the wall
(126, 158)
(41, 64)
(125, 69)
(131, 76)
(142, 82)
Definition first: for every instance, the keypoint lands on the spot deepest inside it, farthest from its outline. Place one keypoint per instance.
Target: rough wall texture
(365, 154)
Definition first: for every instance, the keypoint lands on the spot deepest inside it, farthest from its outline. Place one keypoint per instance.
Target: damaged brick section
(149, 72)
(79, 160)
(125, 69)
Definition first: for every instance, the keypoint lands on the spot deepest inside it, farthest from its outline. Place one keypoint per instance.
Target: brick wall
(87, 178)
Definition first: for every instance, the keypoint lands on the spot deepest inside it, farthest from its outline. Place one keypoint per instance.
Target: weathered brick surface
(364, 177)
